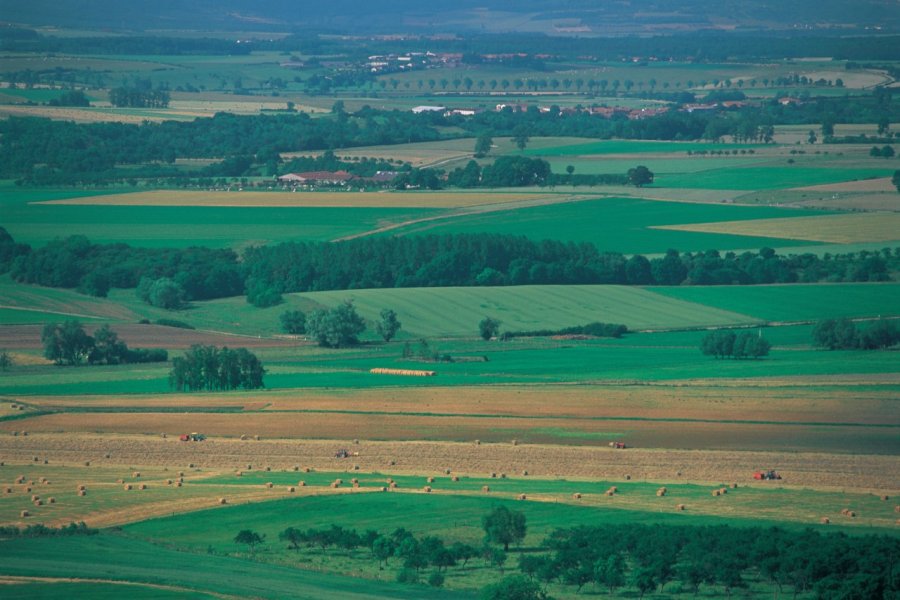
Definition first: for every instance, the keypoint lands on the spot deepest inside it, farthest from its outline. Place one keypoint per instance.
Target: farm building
(317, 178)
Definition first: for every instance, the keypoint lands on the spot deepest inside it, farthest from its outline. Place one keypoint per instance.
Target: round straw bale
(679, 507)
(178, 484)
(485, 488)
(24, 514)
(25, 433)
(87, 463)
(35, 497)
(20, 479)
(393, 462)
(477, 442)
(301, 483)
(897, 508)
(143, 486)
(46, 482)
(521, 496)
(525, 473)
(734, 486)
(390, 480)
(446, 471)
(27, 489)
(269, 484)
(291, 489)
(628, 478)
(661, 492)
(427, 489)
(354, 480)
(454, 478)
(127, 487)
(181, 473)
(191, 465)
(168, 482)
(515, 442)
(430, 480)
(678, 473)
(8, 490)
(724, 490)
(243, 437)
(502, 475)
(81, 487)
(82, 493)
(36, 459)
(577, 496)
(851, 514)
(339, 481)
(268, 469)
(256, 437)
(717, 492)
(107, 455)
(306, 469)
(136, 474)
(825, 520)
(610, 492)
(239, 473)
(335, 484)
(296, 468)
(383, 489)
(885, 497)
(493, 475)
(356, 441)
(51, 500)
(42, 479)
(223, 501)
(46, 462)
(356, 467)
(120, 481)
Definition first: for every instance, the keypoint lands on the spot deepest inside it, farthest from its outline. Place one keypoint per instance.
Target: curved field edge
(115, 557)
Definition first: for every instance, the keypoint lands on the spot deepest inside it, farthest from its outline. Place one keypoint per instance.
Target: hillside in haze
(565, 17)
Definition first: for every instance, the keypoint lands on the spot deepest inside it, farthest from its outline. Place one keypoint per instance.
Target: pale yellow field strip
(305, 199)
(833, 229)
(882, 184)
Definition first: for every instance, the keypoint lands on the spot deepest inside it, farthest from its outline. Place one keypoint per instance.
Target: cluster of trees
(339, 327)
(135, 97)
(521, 171)
(649, 557)
(216, 369)
(420, 261)
(726, 343)
(596, 329)
(68, 344)
(41, 530)
(883, 152)
(70, 98)
(844, 334)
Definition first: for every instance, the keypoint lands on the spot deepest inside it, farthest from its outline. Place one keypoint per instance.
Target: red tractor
(766, 475)
(617, 445)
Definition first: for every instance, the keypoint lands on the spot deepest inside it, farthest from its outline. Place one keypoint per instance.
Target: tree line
(844, 334)
(726, 343)
(169, 277)
(68, 344)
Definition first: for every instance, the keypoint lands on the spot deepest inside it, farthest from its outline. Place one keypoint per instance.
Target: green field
(615, 224)
(768, 178)
(797, 302)
(634, 147)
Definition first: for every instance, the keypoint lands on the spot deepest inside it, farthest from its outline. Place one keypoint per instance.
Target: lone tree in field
(66, 343)
(640, 176)
(250, 538)
(389, 325)
(336, 328)
(504, 526)
(520, 136)
(6, 360)
(488, 328)
(293, 321)
(483, 145)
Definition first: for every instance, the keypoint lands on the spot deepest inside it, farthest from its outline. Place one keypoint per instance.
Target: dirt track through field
(817, 470)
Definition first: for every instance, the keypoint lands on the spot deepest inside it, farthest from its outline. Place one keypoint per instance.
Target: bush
(146, 355)
(171, 323)
(336, 328)
(407, 575)
(436, 579)
(293, 321)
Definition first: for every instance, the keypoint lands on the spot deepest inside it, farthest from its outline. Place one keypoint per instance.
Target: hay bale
(502, 475)
(256, 437)
(35, 497)
(610, 492)
(390, 480)
(87, 463)
(493, 476)
(46, 482)
(239, 473)
(82, 493)
(36, 459)
(8, 490)
(356, 467)
(524, 473)
(291, 489)
(825, 520)
(724, 490)
(430, 480)
(454, 478)
(107, 455)
(269, 485)
(717, 492)
(613, 489)
(301, 484)
(46, 462)
(477, 442)
(393, 462)
(223, 501)
(181, 473)
(335, 484)
(851, 513)
(127, 487)
(734, 486)
(354, 480)
(627, 477)
(296, 468)
(485, 488)
(339, 481)
(577, 496)
(897, 508)
(20, 479)
(679, 507)
(885, 497)
(120, 481)
(25, 433)
(42, 479)
(38, 502)
(191, 465)
(427, 489)
(356, 442)
(393, 485)
(383, 489)
(521, 497)
(51, 500)
(24, 514)
(446, 471)
(268, 469)
(661, 492)
(306, 469)
(27, 489)
(143, 486)
(81, 488)
(136, 474)
(168, 482)
(178, 484)
(515, 442)
(243, 437)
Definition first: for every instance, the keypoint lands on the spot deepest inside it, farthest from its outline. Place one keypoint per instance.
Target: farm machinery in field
(766, 475)
(192, 437)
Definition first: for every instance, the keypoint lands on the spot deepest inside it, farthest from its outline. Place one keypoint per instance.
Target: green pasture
(634, 147)
(615, 224)
(39, 590)
(659, 166)
(768, 178)
(796, 302)
(119, 558)
(162, 226)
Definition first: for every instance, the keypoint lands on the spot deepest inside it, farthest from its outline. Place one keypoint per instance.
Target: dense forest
(169, 277)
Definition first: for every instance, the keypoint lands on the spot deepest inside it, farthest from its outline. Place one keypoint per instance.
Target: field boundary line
(13, 579)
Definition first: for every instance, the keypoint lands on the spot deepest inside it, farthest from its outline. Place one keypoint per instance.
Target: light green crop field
(451, 312)
(768, 178)
(634, 147)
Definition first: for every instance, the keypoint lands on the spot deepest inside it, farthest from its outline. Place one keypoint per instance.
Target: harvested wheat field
(811, 469)
(881, 184)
